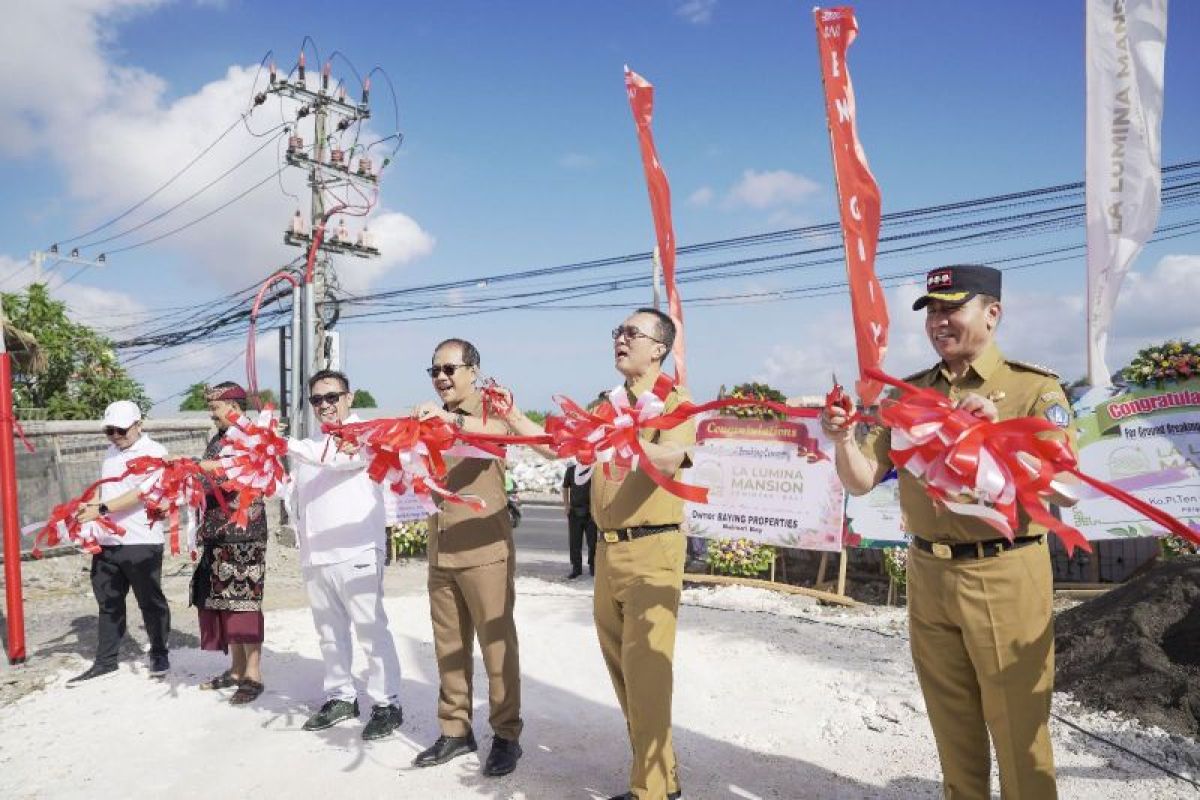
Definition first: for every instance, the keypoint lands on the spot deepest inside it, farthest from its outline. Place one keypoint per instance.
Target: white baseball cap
(122, 414)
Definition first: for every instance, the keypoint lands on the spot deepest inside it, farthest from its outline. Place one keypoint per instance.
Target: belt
(992, 547)
(629, 534)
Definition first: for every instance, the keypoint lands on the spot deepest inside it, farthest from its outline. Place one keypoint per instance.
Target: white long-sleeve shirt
(338, 510)
(138, 527)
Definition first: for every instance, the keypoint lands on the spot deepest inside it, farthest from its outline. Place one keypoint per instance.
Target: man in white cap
(132, 561)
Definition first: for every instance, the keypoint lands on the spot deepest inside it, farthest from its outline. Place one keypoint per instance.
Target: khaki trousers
(464, 604)
(983, 647)
(636, 604)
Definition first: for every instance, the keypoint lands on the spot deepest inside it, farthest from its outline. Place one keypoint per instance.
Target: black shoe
(629, 796)
(94, 671)
(575, 573)
(445, 749)
(333, 712)
(503, 757)
(384, 720)
(159, 666)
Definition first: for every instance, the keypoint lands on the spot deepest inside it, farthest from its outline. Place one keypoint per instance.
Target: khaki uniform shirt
(1018, 390)
(637, 500)
(459, 536)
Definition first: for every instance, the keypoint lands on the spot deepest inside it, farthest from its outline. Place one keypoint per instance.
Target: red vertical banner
(641, 102)
(14, 602)
(858, 196)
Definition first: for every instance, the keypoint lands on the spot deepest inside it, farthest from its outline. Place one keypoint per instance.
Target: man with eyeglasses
(471, 576)
(639, 560)
(132, 561)
(340, 522)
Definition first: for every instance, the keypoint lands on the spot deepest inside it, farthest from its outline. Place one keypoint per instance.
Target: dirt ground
(1136, 649)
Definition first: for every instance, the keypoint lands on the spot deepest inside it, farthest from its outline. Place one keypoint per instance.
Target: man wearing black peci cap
(979, 606)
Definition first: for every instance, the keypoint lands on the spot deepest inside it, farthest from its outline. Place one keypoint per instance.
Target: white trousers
(351, 592)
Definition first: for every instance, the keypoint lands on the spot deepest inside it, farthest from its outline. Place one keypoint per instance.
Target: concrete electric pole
(328, 169)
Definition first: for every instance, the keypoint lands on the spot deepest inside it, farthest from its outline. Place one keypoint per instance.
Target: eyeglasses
(631, 333)
(328, 397)
(445, 369)
(113, 430)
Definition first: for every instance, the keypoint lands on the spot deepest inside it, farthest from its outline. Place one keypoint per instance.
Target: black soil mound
(1136, 649)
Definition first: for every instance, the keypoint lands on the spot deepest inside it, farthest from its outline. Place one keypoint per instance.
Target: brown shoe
(247, 692)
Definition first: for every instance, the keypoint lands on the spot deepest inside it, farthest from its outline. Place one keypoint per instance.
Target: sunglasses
(630, 333)
(328, 397)
(445, 369)
(112, 430)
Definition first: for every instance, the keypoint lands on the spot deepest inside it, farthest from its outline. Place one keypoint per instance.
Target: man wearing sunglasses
(471, 563)
(639, 561)
(132, 561)
(340, 525)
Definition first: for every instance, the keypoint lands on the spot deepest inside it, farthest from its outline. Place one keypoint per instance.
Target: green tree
(83, 373)
(364, 399)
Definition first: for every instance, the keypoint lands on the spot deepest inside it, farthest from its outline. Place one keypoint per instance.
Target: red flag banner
(858, 196)
(641, 102)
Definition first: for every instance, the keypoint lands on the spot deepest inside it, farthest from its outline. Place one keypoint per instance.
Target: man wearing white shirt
(339, 516)
(133, 560)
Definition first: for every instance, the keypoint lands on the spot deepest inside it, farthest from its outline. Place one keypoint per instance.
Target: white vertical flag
(1126, 41)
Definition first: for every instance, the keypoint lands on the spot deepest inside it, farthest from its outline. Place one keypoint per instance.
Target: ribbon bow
(252, 460)
(993, 470)
(408, 455)
(64, 526)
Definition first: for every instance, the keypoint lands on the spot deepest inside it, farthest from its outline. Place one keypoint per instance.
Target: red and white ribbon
(408, 455)
(251, 459)
(993, 470)
(63, 526)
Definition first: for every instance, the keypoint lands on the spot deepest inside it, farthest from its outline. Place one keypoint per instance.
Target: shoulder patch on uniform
(1058, 415)
(1031, 367)
(1050, 397)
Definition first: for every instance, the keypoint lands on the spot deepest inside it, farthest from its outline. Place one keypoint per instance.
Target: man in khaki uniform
(471, 565)
(639, 562)
(979, 606)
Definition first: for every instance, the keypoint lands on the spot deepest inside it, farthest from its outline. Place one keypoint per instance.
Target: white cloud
(576, 161)
(119, 134)
(702, 196)
(697, 12)
(769, 189)
(1040, 327)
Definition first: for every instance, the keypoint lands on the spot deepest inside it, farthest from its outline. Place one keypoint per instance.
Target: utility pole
(328, 168)
(39, 257)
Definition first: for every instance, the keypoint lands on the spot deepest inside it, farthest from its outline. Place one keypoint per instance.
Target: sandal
(222, 681)
(248, 691)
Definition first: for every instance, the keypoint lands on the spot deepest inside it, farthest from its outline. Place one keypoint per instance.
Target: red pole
(12, 530)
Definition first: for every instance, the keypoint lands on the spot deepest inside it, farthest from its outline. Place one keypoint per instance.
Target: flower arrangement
(1170, 361)
(1173, 547)
(755, 391)
(739, 557)
(895, 563)
(409, 539)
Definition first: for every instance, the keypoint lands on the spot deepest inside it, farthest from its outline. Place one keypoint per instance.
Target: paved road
(541, 542)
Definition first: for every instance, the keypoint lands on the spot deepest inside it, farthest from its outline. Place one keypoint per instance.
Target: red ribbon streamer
(641, 103)
(611, 433)
(62, 521)
(406, 454)
(1009, 464)
(858, 196)
(252, 460)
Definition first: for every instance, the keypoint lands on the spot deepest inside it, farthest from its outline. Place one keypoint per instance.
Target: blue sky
(520, 152)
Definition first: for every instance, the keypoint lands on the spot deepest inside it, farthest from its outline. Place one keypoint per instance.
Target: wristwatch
(103, 509)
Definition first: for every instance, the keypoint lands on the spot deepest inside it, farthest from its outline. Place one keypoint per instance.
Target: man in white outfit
(339, 516)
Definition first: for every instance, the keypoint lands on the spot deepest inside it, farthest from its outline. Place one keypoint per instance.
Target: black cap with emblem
(958, 283)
